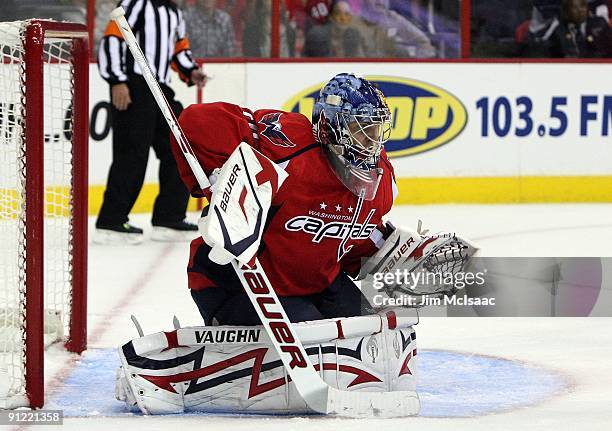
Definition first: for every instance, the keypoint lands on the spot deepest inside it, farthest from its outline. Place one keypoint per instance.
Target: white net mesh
(58, 97)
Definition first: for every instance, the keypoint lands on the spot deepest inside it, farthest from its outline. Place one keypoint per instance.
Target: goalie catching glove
(402, 264)
(241, 197)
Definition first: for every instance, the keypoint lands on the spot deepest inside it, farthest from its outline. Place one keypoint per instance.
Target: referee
(138, 124)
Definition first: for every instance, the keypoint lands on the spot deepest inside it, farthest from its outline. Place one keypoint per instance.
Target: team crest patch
(274, 130)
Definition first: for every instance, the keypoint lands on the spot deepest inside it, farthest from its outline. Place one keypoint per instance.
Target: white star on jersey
(338, 207)
(323, 205)
(350, 209)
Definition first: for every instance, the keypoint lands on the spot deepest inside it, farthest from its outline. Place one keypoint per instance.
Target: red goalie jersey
(308, 238)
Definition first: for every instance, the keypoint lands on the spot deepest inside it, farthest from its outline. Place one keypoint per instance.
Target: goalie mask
(352, 121)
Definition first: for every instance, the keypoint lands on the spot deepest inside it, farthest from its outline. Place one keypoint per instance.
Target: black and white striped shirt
(159, 28)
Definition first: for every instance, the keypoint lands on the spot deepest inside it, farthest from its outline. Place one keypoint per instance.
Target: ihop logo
(424, 116)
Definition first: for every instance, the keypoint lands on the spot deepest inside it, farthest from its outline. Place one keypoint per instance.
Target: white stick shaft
(118, 15)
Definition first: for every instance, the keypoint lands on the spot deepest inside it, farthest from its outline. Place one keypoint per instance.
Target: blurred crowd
(542, 28)
(60, 10)
(318, 28)
(370, 28)
(325, 28)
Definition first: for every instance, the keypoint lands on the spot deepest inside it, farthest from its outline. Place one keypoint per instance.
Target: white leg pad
(236, 369)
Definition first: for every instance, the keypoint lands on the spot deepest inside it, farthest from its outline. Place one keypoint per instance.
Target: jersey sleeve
(213, 130)
(182, 60)
(113, 49)
(282, 135)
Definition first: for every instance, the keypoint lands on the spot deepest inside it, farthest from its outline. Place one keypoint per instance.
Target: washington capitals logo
(274, 130)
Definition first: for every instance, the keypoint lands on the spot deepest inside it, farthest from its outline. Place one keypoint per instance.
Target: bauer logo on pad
(424, 116)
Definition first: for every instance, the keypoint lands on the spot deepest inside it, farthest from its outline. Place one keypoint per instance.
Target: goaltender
(308, 200)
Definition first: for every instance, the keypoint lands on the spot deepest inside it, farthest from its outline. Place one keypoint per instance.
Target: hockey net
(43, 200)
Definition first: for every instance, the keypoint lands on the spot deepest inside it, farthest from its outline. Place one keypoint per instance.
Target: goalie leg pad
(235, 369)
(123, 390)
(145, 392)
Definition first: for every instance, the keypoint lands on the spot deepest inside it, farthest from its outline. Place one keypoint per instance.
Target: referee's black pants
(135, 130)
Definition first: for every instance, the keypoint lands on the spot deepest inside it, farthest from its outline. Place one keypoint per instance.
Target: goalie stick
(319, 396)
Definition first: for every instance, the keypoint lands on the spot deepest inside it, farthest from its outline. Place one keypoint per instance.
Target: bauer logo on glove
(227, 191)
(243, 193)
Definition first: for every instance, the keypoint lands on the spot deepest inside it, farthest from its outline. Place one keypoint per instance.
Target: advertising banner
(462, 132)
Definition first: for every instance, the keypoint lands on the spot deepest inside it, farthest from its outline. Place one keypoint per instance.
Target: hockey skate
(174, 232)
(118, 235)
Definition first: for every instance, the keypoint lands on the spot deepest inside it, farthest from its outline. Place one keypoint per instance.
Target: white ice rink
(149, 281)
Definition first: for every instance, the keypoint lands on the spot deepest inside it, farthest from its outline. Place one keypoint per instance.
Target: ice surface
(573, 353)
(451, 384)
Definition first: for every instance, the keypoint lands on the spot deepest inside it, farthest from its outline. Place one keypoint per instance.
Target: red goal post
(43, 207)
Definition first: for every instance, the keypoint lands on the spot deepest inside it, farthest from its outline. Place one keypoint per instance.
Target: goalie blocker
(236, 369)
(243, 192)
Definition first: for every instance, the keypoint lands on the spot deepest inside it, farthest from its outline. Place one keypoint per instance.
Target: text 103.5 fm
(503, 116)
